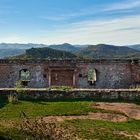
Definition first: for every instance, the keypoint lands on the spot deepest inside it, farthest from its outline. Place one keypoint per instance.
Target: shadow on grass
(79, 100)
(3, 102)
(3, 138)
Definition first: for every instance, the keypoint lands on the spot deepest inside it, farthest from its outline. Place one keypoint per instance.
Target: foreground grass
(85, 129)
(104, 130)
(11, 115)
(37, 109)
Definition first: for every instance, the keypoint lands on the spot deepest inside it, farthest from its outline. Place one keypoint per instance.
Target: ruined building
(77, 73)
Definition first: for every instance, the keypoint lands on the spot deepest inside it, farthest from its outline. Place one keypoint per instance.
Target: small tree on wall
(19, 87)
(13, 98)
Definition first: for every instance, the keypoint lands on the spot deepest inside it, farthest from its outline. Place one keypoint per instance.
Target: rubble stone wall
(111, 74)
(94, 94)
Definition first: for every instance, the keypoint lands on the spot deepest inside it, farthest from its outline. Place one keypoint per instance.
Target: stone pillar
(49, 78)
(74, 78)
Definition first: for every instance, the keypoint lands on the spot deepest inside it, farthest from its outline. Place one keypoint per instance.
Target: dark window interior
(45, 76)
(25, 83)
(91, 83)
(80, 75)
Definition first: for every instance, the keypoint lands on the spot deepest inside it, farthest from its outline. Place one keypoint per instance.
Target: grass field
(36, 109)
(104, 130)
(11, 115)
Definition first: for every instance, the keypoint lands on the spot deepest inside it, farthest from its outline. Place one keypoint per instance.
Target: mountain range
(135, 47)
(109, 51)
(65, 47)
(68, 51)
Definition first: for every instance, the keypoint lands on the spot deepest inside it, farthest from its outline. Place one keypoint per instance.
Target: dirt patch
(92, 116)
(129, 109)
(128, 135)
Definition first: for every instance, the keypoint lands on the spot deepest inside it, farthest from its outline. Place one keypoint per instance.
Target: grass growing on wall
(135, 87)
(61, 88)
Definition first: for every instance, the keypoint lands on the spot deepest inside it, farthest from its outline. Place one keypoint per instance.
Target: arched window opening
(92, 76)
(24, 77)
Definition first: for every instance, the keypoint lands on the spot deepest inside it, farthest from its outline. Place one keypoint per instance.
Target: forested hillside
(46, 53)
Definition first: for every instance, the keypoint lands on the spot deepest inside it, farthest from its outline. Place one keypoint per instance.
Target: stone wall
(45, 73)
(9, 74)
(95, 94)
(113, 75)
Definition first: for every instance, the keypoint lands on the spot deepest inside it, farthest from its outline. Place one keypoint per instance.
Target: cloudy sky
(74, 21)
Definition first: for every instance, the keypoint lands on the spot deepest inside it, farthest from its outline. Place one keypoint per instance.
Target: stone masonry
(109, 74)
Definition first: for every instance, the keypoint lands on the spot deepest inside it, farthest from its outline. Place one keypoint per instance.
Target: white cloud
(67, 16)
(55, 18)
(12, 39)
(119, 31)
(127, 4)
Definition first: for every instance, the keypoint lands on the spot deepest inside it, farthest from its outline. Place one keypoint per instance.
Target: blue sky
(73, 21)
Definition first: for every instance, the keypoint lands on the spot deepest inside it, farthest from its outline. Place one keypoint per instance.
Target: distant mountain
(20, 46)
(135, 47)
(108, 51)
(13, 49)
(65, 47)
(81, 46)
(47, 53)
(10, 52)
(68, 51)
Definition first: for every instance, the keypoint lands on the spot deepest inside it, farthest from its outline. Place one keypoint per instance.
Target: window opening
(24, 77)
(92, 76)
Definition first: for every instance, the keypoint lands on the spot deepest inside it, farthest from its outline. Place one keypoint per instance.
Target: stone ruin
(95, 74)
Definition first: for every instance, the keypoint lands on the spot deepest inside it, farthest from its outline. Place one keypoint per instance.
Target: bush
(62, 88)
(19, 87)
(13, 99)
(135, 87)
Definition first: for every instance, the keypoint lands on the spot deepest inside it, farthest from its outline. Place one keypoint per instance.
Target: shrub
(135, 87)
(62, 88)
(19, 87)
(40, 129)
(13, 98)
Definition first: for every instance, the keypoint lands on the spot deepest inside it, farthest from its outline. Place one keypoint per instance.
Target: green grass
(8, 133)
(35, 109)
(42, 108)
(86, 129)
(104, 130)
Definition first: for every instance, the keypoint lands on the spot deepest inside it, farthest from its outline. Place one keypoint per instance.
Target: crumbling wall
(44, 73)
(94, 94)
(109, 75)
(9, 75)
(135, 71)
(5, 75)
